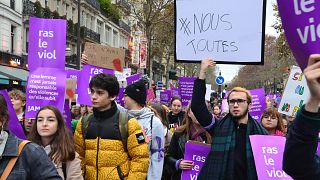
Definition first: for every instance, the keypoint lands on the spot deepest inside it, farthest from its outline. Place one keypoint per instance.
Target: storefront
(13, 73)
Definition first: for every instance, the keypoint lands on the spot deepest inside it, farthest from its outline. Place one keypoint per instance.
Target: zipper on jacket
(121, 175)
(97, 160)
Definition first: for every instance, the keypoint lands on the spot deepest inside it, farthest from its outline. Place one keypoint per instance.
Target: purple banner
(47, 43)
(165, 97)
(132, 79)
(88, 71)
(186, 88)
(14, 124)
(72, 73)
(196, 152)
(46, 86)
(268, 156)
(258, 103)
(300, 20)
(67, 114)
(120, 96)
(175, 92)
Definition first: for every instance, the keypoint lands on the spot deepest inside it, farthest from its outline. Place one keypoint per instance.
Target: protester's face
(290, 118)
(100, 99)
(89, 109)
(47, 123)
(285, 126)
(28, 124)
(238, 105)
(83, 109)
(269, 121)
(17, 103)
(176, 106)
(128, 102)
(216, 110)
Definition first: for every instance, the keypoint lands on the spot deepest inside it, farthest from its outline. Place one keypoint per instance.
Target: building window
(27, 39)
(108, 34)
(115, 38)
(12, 4)
(88, 21)
(46, 3)
(73, 14)
(67, 9)
(58, 5)
(92, 23)
(99, 24)
(13, 29)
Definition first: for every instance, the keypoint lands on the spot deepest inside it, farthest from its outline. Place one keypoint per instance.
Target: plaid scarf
(219, 164)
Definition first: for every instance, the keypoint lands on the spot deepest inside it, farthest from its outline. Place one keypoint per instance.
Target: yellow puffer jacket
(108, 156)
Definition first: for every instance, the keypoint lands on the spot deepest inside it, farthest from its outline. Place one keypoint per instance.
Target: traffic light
(172, 75)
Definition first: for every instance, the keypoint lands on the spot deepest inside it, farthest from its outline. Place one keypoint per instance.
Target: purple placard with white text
(165, 97)
(83, 90)
(72, 73)
(300, 20)
(14, 125)
(258, 103)
(47, 43)
(120, 96)
(196, 152)
(67, 114)
(46, 86)
(175, 92)
(268, 156)
(132, 79)
(186, 88)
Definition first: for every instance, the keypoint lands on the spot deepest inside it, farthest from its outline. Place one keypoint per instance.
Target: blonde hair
(240, 89)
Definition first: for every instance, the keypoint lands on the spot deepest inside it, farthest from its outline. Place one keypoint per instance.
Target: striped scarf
(219, 164)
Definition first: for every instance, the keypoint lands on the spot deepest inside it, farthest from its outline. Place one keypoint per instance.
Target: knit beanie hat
(138, 91)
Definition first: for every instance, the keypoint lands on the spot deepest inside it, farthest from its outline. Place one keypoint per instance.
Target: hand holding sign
(186, 165)
(312, 74)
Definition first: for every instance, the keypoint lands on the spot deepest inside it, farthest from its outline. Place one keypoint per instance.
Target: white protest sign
(295, 94)
(208, 92)
(121, 76)
(228, 30)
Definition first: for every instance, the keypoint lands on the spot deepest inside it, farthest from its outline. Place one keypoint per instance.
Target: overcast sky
(229, 71)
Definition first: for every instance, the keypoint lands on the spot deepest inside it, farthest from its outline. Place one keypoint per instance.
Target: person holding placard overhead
(231, 155)
(300, 160)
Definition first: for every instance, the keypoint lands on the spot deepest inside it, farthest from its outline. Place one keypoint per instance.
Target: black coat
(176, 152)
(33, 162)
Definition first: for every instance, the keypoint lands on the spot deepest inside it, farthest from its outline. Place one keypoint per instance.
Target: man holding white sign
(299, 160)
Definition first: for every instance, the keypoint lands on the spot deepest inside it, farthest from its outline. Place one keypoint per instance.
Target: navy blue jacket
(300, 160)
(33, 162)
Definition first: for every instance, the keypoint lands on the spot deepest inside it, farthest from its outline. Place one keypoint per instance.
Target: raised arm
(300, 160)
(198, 105)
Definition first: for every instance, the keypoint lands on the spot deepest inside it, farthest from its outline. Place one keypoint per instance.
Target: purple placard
(120, 96)
(72, 73)
(132, 79)
(46, 86)
(186, 88)
(47, 43)
(224, 105)
(88, 71)
(258, 103)
(300, 20)
(175, 92)
(14, 124)
(165, 97)
(268, 156)
(67, 114)
(196, 152)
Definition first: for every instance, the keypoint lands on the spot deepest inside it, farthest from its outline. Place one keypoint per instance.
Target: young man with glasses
(231, 154)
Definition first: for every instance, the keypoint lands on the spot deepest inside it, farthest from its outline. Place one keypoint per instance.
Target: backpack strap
(123, 127)
(13, 161)
(84, 124)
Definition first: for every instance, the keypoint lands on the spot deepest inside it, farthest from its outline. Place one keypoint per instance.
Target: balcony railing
(94, 3)
(28, 8)
(124, 26)
(88, 33)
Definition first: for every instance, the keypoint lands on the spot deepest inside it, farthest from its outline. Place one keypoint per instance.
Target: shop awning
(14, 74)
